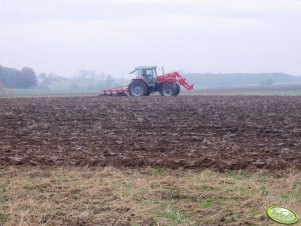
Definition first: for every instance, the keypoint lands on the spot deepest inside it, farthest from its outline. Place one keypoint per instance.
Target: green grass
(268, 93)
(70, 92)
(4, 217)
(174, 216)
(151, 196)
(207, 204)
(44, 92)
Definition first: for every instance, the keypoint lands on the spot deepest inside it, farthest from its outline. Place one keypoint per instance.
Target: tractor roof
(145, 67)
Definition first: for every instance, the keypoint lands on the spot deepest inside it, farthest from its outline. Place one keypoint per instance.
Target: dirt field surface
(217, 132)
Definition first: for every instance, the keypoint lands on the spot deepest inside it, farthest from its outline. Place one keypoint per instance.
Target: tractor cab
(149, 74)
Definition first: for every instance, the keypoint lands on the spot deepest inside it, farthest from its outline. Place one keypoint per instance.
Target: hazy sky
(113, 36)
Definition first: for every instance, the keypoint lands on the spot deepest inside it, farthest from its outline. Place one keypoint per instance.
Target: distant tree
(42, 76)
(1, 75)
(2, 91)
(2, 85)
(86, 75)
(101, 76)
(74, 86)
(53, 77)
(267, 82)
(43, 81)
(109, 81)
(28, 78)
(90, 87)
(100, 85)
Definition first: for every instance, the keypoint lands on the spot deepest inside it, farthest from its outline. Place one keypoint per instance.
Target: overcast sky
(114, 36)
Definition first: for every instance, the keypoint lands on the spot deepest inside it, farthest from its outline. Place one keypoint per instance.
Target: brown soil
(230, 132)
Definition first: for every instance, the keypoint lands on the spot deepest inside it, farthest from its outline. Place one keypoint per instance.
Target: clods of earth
(217, 132)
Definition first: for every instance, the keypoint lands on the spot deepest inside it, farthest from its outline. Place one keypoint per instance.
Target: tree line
(91, 80)
(211, 80)
(13, 78)
(82, 80)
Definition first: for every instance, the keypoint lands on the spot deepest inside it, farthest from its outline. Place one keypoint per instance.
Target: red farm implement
(118, 91)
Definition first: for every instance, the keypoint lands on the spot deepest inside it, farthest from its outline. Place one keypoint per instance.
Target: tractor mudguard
(140, 79)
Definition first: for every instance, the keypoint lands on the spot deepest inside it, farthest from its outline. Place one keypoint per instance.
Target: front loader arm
(177, 77)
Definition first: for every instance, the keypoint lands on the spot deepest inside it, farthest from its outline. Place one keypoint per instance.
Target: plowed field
(220, 132)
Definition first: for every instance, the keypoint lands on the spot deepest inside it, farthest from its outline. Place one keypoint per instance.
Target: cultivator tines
(118, 91)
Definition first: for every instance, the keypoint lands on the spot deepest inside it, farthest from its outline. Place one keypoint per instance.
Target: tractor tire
(167, 90)
(138, 89)
(178, 89)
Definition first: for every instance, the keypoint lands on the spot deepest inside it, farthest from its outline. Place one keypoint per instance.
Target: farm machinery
(147, 81)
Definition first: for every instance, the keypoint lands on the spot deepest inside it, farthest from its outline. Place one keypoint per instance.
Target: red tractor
(147, 81)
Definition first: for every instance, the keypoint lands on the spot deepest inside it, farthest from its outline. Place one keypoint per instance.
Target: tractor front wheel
(167, 90)
(138, 88)
(178, 89)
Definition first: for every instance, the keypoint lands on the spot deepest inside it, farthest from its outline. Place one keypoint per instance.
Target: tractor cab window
(148, 74)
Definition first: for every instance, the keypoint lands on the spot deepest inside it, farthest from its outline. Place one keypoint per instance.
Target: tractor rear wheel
(138, 88)
(167, 90)
(178, 89)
